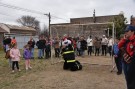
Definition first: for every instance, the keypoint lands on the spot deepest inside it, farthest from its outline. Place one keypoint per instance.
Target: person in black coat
(7, 42)
(31, 45)
(41, 45)
(83, 46)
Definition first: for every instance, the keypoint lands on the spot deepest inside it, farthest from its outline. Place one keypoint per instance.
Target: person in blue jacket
(117, 57)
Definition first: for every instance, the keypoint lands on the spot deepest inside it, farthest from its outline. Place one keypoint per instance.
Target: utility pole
(49, 16)
(49, 22)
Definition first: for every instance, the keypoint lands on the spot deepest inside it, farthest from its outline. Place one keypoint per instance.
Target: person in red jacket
(13, 41)
(127, 46)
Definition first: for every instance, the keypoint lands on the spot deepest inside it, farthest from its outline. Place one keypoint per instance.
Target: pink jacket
(15, 54)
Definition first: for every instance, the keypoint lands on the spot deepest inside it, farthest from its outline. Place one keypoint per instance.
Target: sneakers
(30, 67)
(13, 71)
(119, 73)
(26, 69)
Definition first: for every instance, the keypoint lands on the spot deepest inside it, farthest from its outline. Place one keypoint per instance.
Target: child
(27, 56)
(15, 57)
(117, 57)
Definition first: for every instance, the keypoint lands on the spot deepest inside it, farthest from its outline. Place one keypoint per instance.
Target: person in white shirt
(90, 45)
(104, 43)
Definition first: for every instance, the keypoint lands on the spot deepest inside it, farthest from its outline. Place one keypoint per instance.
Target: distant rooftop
(20, 27)
(97, 16)
(2, 30)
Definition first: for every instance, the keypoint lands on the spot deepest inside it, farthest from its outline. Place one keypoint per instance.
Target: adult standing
(48, 49)
(78, 47)
(7, 42)
(57, 47)
(104, 43)
(90, 45)
(97, 45)
(127, 45)
(13, 41)
(31, 43)
(40, 44)
(83, 46)
(117, 56)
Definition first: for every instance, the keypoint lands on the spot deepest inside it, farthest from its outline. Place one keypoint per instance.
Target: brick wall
(74, 30)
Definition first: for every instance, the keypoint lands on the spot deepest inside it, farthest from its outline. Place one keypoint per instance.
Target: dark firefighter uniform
(128, 49)
(69, 57)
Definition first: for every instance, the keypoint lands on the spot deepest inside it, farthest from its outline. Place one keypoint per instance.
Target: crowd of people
(44, 45)
(123, 50)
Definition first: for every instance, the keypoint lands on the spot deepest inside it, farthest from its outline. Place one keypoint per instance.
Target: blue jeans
(82, 52)
(129, 71)
(7, 48)
(32, 52)
(125, 68)
(40, 52)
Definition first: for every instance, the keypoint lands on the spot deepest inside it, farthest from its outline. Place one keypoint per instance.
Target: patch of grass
(7, 78)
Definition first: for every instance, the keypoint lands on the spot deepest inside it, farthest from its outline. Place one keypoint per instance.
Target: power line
(22, 9)
(27, 10)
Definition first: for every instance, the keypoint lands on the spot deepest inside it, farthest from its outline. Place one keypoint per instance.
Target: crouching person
(69, 57)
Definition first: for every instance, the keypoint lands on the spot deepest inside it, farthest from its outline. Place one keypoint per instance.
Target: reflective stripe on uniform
(70, 61)
(68, 52)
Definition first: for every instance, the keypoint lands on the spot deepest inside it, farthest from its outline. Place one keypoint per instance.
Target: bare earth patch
(94, 75)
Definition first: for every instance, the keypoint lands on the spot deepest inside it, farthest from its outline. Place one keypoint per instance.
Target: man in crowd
(56, 46)
(31, 44)
(127, 46)
(104, 43)
(41, 45)
(7, 42)
(83, 46)
(90, 45)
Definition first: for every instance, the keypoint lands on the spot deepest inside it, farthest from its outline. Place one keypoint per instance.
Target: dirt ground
(94, 75)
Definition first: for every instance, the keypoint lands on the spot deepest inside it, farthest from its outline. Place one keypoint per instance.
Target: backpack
(7, 55)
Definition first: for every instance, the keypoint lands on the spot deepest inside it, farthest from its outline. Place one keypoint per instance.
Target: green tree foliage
(120, 24)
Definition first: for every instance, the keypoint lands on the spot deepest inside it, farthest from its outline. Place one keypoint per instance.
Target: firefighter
(127, 46)
(69, 57)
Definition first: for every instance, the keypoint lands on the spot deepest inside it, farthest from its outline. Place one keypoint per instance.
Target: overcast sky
(63, 10)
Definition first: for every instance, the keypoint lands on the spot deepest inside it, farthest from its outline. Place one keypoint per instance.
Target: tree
(45, 31)
(29, 21)
(120, 24)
